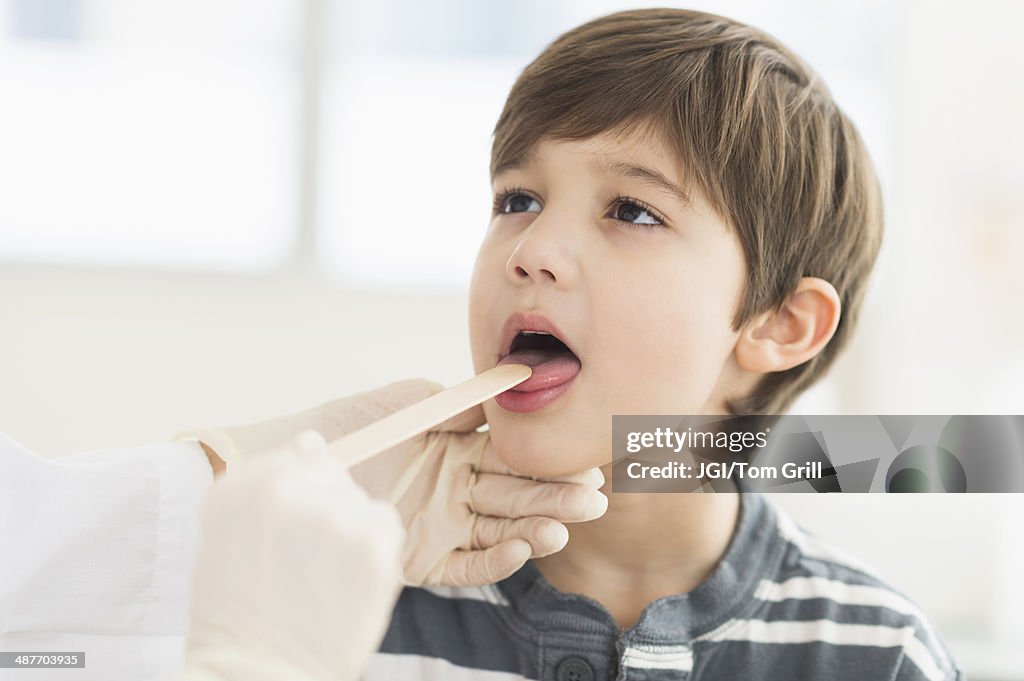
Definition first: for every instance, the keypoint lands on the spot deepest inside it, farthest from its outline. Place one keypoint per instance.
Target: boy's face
(646, 307)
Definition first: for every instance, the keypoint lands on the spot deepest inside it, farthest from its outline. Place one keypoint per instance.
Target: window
(149, 133)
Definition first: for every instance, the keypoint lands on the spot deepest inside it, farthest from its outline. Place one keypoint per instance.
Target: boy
(680, 203)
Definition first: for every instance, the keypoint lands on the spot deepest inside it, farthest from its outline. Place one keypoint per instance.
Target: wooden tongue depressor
(395, 428)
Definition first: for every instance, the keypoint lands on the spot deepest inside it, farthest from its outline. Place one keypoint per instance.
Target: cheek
(485, 289)
(663, 347)
(477, 322)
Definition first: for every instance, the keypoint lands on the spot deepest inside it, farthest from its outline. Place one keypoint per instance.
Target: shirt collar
(753, 553)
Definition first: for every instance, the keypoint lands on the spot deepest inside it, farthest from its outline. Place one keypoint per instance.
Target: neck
(644, 547)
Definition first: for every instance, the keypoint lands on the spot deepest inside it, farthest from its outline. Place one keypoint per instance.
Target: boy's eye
(628, 211)
(517, 203)
(623, 208)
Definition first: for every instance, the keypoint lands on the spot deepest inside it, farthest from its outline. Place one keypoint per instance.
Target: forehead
(632, 154)
(602, 151)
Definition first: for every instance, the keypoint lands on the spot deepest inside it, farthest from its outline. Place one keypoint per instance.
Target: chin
(535, 457)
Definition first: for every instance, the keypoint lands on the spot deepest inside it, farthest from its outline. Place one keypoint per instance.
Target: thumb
(309, 447)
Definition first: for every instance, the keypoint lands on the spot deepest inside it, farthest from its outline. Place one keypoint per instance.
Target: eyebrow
(645, 174)
(620, 168)
(517, 163)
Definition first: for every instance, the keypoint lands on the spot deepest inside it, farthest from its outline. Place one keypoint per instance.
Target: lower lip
(526, 402)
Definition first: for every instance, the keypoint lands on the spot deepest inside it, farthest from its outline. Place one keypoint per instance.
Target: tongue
(549, 368)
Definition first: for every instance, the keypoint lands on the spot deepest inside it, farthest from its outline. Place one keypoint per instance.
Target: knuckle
(569, 499)
(490, 565)
(493, 532)
(465, 568)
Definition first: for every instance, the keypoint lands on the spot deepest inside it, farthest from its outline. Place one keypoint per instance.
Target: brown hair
(756, 131)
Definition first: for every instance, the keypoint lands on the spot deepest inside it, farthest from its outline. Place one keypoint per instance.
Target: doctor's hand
(297, 573)
(470, 520)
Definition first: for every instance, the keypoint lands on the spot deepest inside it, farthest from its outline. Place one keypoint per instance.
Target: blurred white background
(214, 211)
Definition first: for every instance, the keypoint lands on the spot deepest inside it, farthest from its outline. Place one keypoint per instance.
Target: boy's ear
(776, 341)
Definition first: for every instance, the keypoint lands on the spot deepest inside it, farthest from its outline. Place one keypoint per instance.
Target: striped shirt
(780, 604)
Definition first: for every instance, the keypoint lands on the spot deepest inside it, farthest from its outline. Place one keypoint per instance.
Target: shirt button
(574, 669)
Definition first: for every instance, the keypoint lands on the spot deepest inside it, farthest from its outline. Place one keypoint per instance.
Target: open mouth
(552, 361)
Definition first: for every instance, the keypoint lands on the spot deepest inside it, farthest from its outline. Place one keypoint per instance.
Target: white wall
(95, 358)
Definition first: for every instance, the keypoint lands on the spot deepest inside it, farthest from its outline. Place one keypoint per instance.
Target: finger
(592, 477)
(546, 536)
(309, 447)
(486, 566)
(373, 523)
(508, 496)
(323, 486)
(464, 422)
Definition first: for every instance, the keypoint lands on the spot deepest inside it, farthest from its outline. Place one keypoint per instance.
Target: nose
(544, 254)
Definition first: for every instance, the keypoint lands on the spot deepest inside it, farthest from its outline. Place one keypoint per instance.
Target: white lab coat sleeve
(96, 555)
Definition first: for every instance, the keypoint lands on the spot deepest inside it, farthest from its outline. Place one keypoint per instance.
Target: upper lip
(529, 321)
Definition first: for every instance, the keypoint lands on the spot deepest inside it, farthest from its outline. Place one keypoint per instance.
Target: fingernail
(554, 537)
(597, 504)
(310, 446)
(592, 478)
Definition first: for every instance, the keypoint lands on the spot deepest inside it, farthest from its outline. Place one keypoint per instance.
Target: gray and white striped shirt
(781, 604)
